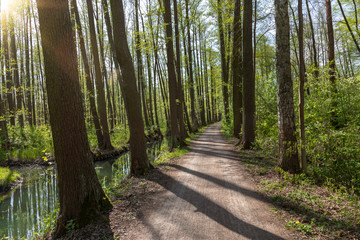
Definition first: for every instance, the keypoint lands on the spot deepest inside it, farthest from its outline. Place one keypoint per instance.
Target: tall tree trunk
(287, 132)
(180, 92)
(248, 137)
(139, 160)
(175, 134)
(237, 70)
(140, 70)
(224, 70)
(348, 26)
(89, 83)
(195, 124)
(301, 87)
(98, 80)
(80, 193)
(8, 80)
(33, 85)
(4, 137)
(315, 57)
(15, 70)
(331, 58)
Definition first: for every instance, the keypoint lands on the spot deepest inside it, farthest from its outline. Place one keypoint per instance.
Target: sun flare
(5, 5)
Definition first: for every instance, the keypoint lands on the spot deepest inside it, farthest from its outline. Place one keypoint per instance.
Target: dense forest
(83, 80)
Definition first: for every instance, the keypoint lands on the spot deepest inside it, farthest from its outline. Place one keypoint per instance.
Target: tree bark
(301, 88)
(8, 80)
(288, 157)
(248, 137)
(98, 80)
(175, 134)
(180, 92)
(224, 70)
(80, 193)
(15, 70)
(237, 70)
(195, 123)
(89, 83)
(331, 58)
(139, 161)
(315, 57)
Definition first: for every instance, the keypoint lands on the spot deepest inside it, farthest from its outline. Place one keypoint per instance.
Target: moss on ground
(7, 178)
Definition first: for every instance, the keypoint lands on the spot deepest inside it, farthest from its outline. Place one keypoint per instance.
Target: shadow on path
(213, 210)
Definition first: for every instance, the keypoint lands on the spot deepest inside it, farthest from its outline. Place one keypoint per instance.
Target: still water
(23, 209)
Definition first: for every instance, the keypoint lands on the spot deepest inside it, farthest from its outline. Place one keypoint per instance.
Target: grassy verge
(7, 178)
(318, 212)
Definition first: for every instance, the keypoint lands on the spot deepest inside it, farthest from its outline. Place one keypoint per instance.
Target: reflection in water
(23, 209)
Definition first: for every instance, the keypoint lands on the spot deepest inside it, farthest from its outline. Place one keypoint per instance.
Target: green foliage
(28, 143)
(47, 224)
(166, 154)
(7, 177)
(227, 128)
(333, 154)
(303, 227)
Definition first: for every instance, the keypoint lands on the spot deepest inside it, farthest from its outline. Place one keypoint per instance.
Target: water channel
(23, 210)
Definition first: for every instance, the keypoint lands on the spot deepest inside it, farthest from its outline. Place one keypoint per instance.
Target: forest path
(209, 195)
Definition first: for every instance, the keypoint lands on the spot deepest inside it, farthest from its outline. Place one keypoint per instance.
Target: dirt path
(208, 195)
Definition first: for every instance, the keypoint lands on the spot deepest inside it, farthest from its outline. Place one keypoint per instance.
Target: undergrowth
(7, 177)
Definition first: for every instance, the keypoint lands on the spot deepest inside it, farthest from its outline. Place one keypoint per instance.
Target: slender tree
(236, 70)
(224, 70)
(349, 27)
(248, 137)
(8, 80)
(15, 69)
(80, 194)
(315, 57)
(301, 87)
(89, 83)
(175, 133)
(194, 120)
(139, 160)
(98, 79)
(287, 131)
(180, 92)
(331, 58)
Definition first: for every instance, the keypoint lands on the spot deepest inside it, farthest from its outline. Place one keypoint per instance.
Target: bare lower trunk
(139, 161)
(80, 194)
(287, 132)
(248, 137)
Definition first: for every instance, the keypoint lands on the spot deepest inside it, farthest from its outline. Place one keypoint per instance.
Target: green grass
(8, 177)
(166, 155)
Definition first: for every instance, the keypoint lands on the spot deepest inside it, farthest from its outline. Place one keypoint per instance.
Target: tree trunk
(237, 70)
(331, 58)
(15, 70)
(248, 137)
(8, 80)
(180, 92)
(98, 80)
(287, 133)
(224, 70)
(140, 71)
(80, 193)
(195, 124)
(301, 88)
(139, 161)
(315, 57)
(348, 26)
(89, 83)
(175, 134)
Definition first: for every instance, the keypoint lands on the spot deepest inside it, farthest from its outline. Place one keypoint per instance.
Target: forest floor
(206, 194)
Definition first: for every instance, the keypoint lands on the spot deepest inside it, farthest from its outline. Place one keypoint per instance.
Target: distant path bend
(209, 196)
